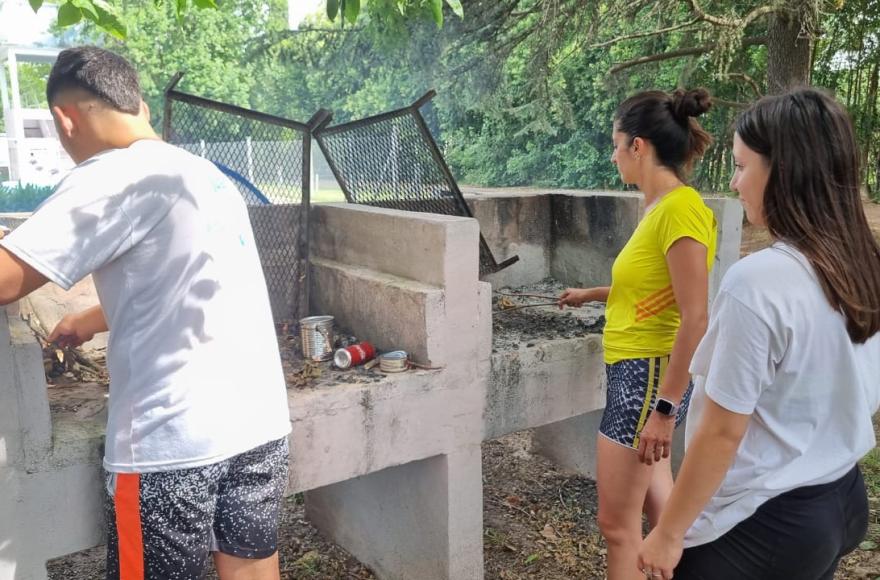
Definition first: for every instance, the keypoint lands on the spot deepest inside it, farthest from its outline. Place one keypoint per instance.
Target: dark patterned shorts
(164, 525)
(632, 389)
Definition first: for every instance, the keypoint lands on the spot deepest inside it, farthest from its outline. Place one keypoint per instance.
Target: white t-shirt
(777, 350)
(194, 366)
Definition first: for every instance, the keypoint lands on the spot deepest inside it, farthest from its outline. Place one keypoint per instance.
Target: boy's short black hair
(99, 72)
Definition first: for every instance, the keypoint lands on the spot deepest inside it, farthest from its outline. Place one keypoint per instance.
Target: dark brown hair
(668, 122)
(813, 200)
(99, 72)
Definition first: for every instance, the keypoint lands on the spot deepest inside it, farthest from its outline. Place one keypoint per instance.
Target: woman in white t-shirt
(788, 374)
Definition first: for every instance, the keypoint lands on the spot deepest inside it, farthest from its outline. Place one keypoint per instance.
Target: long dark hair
(668, 121)
(813, 200)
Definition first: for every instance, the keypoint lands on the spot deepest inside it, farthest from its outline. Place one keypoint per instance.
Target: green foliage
(23, 197)
(109, 17)
(848, 63)
(215, 50)
(525, 93)
(102, 13)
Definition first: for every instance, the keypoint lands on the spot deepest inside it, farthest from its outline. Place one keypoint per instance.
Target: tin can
(393, 362)
(352, 356)
(317, 337)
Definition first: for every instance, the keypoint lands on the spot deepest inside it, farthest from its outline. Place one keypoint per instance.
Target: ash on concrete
(512, 329)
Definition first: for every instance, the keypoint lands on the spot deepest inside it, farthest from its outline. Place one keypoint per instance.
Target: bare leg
(232, 568)
(623, 483)
(658, 491)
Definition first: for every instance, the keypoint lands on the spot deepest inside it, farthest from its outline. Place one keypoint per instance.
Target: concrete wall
(50, 487)
(573, 237)
(516, 225)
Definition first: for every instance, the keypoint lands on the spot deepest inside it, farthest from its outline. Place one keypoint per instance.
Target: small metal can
(393, 362)
(354, 355)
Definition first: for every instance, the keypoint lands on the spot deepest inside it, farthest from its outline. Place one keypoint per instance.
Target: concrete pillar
(729, 215)
(571, 443)
(420, 520)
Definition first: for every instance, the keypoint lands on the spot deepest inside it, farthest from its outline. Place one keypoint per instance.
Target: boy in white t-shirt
(196, 452)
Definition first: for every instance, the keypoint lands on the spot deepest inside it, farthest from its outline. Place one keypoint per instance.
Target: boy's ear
(66, 117)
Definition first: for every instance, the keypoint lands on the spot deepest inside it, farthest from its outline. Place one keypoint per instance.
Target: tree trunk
(788, 53)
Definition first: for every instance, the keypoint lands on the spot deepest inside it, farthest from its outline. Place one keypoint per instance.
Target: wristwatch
(666, 407)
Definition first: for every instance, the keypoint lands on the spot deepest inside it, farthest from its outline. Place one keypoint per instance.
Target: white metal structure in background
(30, 150)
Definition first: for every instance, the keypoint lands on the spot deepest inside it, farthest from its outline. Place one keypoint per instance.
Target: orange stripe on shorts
(128, 526)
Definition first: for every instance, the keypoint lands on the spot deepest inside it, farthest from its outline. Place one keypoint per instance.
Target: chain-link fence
(267, 158)
(392, 161)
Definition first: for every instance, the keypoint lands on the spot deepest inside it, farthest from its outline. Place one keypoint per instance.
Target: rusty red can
(354, 355)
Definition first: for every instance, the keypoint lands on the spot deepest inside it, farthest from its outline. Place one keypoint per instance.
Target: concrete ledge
(544, 384)
(417, 246)
(394, 312)
(352, 430)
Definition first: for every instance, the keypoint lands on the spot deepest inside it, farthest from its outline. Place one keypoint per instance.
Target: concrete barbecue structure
(390, 466)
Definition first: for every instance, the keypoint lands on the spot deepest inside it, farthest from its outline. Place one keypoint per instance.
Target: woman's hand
(655, 439)
(574, 297)
(660, 554)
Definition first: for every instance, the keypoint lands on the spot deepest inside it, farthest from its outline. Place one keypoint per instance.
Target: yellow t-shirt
(642, 316)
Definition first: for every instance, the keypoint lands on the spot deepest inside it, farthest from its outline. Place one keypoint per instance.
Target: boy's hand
(70, 331)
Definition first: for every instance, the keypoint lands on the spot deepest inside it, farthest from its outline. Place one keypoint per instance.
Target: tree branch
(658, 57)
(726, 103)
(694, 50)
(731, 22)
(644, 34)
(747, 79)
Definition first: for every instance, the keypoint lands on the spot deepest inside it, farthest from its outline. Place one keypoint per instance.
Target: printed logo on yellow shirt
(655, 303)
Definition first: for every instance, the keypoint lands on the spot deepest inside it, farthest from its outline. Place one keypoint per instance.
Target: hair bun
(692, 103)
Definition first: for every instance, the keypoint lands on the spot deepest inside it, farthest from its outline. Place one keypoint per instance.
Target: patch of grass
(870, 465)
(22, 197)
(307, 566)
(494, 538)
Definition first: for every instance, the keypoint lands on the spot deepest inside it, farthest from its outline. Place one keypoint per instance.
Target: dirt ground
(539, 522)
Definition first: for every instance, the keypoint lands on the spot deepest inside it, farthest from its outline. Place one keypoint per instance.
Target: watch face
(664, 406)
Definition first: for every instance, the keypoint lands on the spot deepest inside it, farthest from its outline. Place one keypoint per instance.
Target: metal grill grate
(392, 161)
(267, 158)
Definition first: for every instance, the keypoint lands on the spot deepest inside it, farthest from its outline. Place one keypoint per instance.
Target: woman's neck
(656, 184)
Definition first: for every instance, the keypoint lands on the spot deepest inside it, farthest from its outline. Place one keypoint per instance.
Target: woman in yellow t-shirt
(656, 314)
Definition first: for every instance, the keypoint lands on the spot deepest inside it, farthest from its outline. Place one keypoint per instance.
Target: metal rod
(366, 121)
(305, 215)
(546, 297)
(526, 306)
(343, 185)
(424, 99)
(235, 110)
(166, 116)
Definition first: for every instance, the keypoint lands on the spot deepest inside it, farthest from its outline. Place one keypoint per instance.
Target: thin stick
(527, 306)
(544, 296)
(77, 356)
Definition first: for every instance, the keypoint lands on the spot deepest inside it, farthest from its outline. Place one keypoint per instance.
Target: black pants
(799, 535)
